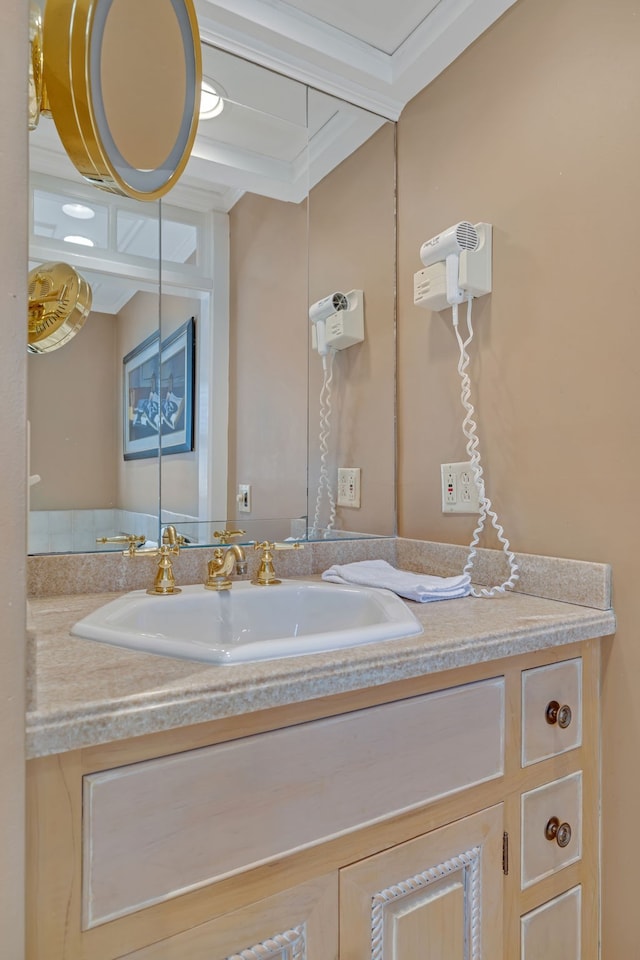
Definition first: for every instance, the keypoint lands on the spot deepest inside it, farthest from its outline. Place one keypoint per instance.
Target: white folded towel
(413, 586)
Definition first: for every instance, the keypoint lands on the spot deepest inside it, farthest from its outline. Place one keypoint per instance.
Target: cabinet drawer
(551, 828)
(155, 829)
(551, 710)
(552, 931)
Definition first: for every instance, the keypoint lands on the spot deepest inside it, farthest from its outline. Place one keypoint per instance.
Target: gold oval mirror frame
(36, 63)
(122, 78)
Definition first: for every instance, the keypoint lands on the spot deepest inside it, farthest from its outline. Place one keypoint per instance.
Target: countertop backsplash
(573, 581)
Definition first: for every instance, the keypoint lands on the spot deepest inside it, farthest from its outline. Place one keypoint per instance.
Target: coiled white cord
(473, 452)
(324, 483)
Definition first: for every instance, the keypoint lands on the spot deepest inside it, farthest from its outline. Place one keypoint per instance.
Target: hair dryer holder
(343, 328)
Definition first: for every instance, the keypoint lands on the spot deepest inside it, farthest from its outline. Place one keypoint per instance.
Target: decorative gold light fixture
(122, 81)
(59, 304)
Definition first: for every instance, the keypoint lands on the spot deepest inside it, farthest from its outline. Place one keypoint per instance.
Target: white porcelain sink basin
(249, 622)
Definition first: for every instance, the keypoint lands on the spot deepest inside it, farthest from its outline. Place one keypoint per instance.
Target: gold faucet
(225, 560)
(170, 542)
(266, 575)
(134, 541)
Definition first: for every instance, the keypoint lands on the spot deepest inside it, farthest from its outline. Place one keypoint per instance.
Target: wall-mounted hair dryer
(457, 264)
(322, 309)
(462, 236)
(338, 321)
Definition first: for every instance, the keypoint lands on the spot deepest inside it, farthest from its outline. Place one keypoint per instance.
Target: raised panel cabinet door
(552, 931)
(438, 897)
(297, 924)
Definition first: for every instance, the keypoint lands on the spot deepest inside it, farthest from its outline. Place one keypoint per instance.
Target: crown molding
(288, 41)
(281, 21)
(451, 27)
(340, 78)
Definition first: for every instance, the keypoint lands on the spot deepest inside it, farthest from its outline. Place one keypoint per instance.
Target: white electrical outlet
(459, 491)
(348, 486)
(243, 498)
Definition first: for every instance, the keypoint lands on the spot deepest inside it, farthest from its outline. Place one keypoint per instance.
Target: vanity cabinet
(453, 816)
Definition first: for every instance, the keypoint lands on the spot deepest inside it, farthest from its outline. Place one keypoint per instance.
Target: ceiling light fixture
(78, 210)
(83, 241)
(211, 100)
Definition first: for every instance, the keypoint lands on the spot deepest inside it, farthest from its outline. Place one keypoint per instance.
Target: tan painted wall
(13, 259)
(352, 246)
(73, 407)
(268, 356)
(536, 128)
(76, 431)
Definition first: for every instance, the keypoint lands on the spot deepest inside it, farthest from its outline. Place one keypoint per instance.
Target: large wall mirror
(194, 393)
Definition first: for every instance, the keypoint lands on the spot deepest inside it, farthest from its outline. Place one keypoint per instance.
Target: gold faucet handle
(225, 535)
(266, 545)
(123, 538)
(266, 575)
(165, 582)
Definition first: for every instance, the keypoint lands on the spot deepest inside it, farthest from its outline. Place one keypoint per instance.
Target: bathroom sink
(249, 622)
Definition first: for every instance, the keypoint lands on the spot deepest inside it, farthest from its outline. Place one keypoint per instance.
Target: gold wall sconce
(59, 304)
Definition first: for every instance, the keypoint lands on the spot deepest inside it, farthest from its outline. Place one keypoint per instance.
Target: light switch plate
(243, 498)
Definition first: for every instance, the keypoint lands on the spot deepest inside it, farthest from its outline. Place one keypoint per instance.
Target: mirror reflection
(288, 196)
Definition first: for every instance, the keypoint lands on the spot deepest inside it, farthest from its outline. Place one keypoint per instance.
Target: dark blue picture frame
(158, 386)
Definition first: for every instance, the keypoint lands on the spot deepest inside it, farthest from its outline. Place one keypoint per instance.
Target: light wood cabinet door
(438, 897)
(298, 924)
(552, 932)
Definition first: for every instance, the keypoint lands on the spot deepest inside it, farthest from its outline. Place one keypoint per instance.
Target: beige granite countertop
(83, 693)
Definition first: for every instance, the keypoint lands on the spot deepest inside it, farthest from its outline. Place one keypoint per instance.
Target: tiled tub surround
(77, 531)
(59, 531)
(83, 693)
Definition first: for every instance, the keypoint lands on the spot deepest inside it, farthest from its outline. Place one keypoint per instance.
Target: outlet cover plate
(459, 490)
(349, 487)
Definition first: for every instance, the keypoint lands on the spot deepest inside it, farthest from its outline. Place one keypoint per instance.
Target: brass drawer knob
(560, 832)
(558, 714)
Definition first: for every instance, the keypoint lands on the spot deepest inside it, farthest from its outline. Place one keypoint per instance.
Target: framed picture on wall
(158, 380)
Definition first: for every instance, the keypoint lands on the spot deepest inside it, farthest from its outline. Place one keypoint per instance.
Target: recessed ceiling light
(83, 241)
(211, 100)
(78, 210)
